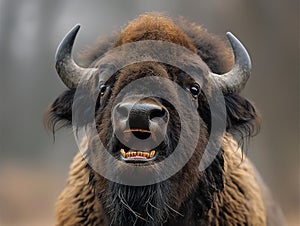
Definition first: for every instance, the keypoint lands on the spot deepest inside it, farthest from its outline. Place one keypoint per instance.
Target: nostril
(157, 113)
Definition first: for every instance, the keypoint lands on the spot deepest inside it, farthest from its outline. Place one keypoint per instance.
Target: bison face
(141, 127)
(152, 122)
(151, 135)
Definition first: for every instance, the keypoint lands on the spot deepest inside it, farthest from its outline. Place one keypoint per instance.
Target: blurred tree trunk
(7, 24)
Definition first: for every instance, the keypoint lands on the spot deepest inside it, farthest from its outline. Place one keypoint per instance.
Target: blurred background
(33, 168)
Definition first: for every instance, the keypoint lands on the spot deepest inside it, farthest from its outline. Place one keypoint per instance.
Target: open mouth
(136, 156)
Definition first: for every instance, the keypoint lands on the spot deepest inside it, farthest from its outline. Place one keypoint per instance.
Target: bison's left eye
(102, 89)
(195, 89)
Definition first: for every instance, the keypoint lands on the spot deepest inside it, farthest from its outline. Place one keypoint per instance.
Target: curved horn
(235, 80)
(69, 72)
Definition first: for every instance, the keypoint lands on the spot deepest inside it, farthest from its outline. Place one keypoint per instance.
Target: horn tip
(232, 38)
(228, 33)
(243, 53)
(65, 47)
(76, 27)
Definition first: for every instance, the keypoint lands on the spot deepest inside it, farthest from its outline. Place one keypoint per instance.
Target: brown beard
(128, 205)
(158, 203)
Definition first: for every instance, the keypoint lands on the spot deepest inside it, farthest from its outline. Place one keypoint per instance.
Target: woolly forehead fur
(154, 26)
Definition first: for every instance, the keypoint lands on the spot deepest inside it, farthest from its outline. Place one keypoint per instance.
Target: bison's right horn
(69, 72)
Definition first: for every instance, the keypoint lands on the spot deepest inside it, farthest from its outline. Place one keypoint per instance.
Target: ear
(60, 111)
(242, 118)
(66, 111)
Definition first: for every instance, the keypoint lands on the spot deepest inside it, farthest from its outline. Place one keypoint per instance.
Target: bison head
(145, 106)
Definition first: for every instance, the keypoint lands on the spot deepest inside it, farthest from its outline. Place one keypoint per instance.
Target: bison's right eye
(195, 89)
(102, 89)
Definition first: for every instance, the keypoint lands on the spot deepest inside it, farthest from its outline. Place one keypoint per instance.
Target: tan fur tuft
(78, 204)
(154, 27)
(240, 203)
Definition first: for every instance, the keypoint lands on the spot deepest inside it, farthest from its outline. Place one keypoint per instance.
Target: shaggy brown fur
(241, 192)
(240, 203)
(226, 193)
(77, 204)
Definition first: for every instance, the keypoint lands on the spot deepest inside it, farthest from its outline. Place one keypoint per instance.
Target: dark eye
(195, 89)
(102, 89)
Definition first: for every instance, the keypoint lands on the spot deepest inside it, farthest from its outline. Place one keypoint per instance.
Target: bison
(162, 129)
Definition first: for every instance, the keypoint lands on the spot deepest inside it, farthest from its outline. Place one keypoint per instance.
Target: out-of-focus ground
(33, 168)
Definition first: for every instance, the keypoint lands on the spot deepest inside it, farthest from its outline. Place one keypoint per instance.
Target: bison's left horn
(235, 80)
(69, 72)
